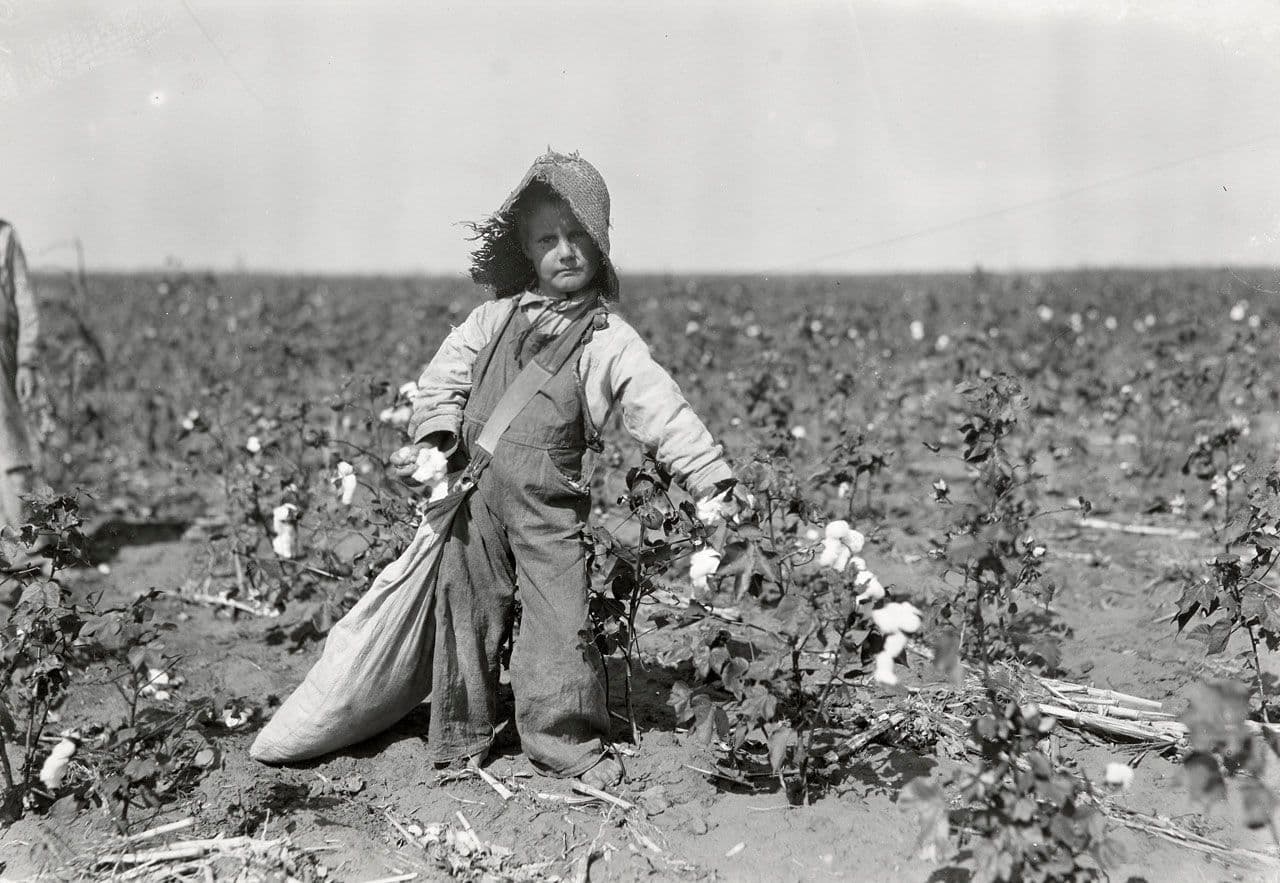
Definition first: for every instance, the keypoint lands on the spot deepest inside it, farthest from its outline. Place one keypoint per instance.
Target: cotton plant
(347, 481)
(895, 620)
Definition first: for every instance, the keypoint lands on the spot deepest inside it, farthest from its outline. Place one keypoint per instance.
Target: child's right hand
(420, 464)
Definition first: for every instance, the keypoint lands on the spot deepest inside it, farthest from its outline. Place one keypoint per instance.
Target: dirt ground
(349, 812)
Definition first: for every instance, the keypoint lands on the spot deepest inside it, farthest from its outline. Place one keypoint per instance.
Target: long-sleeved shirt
(615, 369)
(17, 299)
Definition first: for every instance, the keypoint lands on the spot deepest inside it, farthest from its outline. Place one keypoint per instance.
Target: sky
(787, 136)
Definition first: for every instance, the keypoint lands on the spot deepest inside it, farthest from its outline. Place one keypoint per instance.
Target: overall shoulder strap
(534, 377)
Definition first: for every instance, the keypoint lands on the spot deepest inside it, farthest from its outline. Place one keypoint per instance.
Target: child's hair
(499, 260)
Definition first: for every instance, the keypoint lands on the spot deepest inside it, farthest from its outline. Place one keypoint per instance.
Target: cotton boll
(396, 416)
(253, 444)
(708, 511)
(408, 389)
(893, 645)
(852, 539)
(349, 483)
(158, 684)
(55, 765)
(898, 617)
(285, 540)
(871, 588)
(917, 330)
(835, 555)
(232, 718)
(432, 466)
(1119, 775)
(702, 564)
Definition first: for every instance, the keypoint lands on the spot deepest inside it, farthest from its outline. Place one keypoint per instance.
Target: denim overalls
(521, 527)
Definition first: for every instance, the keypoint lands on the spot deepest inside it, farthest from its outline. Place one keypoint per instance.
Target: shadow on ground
(105, 539)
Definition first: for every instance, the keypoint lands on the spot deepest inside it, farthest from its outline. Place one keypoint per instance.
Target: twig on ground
(584, 788)
(1166, 829)
(162, 830)
(503, 791)
(215, 601)
(1149, 530)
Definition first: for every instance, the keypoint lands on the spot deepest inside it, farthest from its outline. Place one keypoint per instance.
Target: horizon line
(57, 269)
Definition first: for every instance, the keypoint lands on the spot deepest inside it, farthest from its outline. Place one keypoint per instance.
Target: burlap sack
(376, 663)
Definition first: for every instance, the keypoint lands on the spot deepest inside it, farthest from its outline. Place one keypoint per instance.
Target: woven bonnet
(581, 187)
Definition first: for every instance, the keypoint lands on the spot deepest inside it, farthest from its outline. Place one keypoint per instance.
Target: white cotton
(917, 330)
(893, 645)
(253, 444)
(840, 530)
(232, 719)
(813, 535)
(345, 469)
(1239, 311)
(55, 765)
(408, 389)
(285, 540)
(842, 489)
(871, 588)
(1045, 313)
(840, 544)
(897, 617)
(799, 433)
(432, 465)
(835, 555)
(397, 416)
(1119, 775)
(439, 490)
(709, 510)
(349, 484)
(702, 564)
(158, 683)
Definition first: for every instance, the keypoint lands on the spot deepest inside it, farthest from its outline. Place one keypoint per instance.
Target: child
(545, 254)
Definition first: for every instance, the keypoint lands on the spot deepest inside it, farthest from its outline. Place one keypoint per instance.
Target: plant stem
(1257, 671)
(811, 723)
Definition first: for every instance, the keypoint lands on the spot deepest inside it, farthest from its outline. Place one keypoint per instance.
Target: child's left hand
(726, 505)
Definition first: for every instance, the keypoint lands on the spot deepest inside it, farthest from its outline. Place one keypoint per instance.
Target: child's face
(562, 251)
